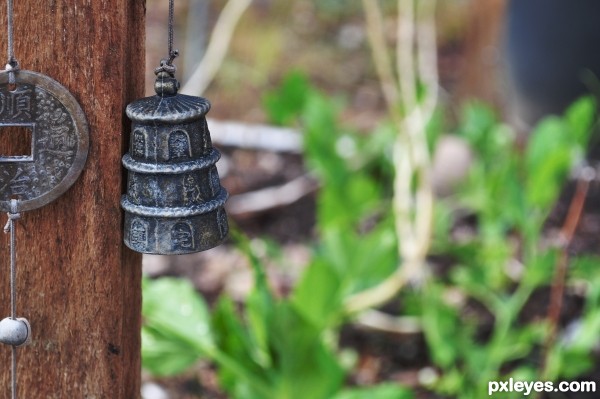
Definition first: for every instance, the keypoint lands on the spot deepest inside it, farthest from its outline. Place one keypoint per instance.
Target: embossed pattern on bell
(174, 200)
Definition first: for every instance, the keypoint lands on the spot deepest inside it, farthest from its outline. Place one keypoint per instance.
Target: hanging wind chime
(59, 148)
(174, 201)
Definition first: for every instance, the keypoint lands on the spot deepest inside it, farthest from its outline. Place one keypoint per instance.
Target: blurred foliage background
(325, 39)
(320, 292)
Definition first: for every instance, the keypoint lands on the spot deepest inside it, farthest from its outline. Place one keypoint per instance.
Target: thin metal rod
(12, 64)
(11, 50)
(13, 373)
(13, 262)
(10, 227)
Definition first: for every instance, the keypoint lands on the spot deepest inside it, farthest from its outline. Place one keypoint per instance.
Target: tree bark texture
(77, 284)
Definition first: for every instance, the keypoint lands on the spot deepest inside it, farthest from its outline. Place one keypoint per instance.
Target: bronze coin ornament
(59, 139)
(48, 113)
(174, 202)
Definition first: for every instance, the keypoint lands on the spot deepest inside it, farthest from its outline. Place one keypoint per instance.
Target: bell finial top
(166, 84)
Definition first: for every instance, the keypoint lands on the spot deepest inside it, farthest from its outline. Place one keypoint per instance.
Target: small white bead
(14, 332)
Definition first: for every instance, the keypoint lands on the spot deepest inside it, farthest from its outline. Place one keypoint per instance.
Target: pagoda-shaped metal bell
(174, 201)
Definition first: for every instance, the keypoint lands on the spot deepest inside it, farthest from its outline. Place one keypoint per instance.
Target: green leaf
(441, 327)
(585, 337)
(347, 205)
(259, 304)
(567, 363)
(382, 391)
(585, 267)
(548, 159)
(452, 382)
(575, 363)
(286, 103)
(541, 268)
(491, 140)
(477, 121)
(318, 296)
(306, 367)
(176, 329)
(580, 117)
(163, 356)
(234, 341)
(321, 133)
(523, 373)
(374, 257)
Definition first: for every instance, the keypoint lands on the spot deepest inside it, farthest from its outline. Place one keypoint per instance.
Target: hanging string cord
(171, 18)
(166, 64)
(12, 65)
(13, 216)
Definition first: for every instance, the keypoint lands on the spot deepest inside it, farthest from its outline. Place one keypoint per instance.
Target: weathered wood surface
(483, 55)
(77, 283)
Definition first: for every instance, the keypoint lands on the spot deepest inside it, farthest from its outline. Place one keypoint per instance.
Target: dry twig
(566, 236)
(217, 47)
(255, 136)
(271, 197)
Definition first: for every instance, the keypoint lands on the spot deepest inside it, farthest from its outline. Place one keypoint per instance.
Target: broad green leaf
(440, 324)
(375, 257)
(234, 341)
(338, 245)
(286, 103)
(321, 132)
(567, 363)
(302, 358)
(382, 391)
(575, 363)
(585, 267)
(176, 323)
(580, 117)
(162, 355)
(477, 120)
(452, 382)
(346, 206)
(548, 159)
(523, 373)
(541, 268)
(583, 336)
(317, 295)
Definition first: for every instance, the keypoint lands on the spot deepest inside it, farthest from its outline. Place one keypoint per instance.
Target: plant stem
(558, 285)
(416, 61)
(381, 57)
(405, 54)
(377, 295)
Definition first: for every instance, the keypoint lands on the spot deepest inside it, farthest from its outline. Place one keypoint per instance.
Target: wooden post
(483, 51)
(76, 282)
